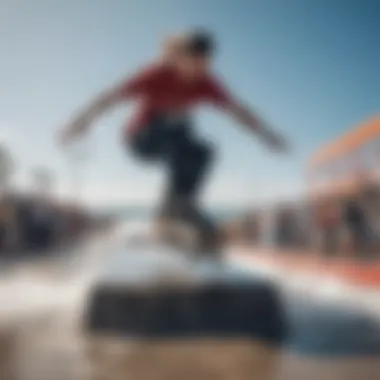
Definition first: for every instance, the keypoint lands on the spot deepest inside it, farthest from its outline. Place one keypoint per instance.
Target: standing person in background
(4, 215)
(8, 223)
(356, 222)
(251, 227)
(167, 92)
(328, 220)
(371, 207)
(285, 227)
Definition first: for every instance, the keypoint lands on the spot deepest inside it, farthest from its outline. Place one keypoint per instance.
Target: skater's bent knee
(204, 151)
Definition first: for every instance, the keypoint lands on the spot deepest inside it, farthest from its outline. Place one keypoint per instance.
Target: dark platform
(209, 300)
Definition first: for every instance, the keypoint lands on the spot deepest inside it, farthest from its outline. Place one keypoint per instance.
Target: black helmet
(200, 43)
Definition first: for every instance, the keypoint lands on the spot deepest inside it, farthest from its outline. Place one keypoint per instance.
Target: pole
(6, 166)
(77, 159)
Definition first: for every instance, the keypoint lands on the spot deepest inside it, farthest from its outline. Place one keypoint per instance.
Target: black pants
(361, 237)
(330, 240)
(186, 160)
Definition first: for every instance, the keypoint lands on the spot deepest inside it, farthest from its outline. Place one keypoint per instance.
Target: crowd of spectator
(31, 224)
(332, 225)
(350, 225)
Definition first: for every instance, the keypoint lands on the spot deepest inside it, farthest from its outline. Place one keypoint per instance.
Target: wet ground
(327, 321)
(331, 337)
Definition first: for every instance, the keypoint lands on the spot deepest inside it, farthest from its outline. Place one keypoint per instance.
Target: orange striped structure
(342, 165)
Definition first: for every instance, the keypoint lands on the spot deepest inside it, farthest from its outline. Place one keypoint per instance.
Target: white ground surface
(32, 290)
(42, 290)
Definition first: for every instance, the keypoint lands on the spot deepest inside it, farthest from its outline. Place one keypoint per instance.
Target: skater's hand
(71, 133)
(258, 126)
(276, 142)
(64, 138)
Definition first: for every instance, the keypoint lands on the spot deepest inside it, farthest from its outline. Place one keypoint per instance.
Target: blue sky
(310, 66)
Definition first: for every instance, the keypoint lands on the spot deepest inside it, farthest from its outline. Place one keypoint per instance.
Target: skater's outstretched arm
(254, 123)
(223, 99)
(82, 121)
(133, 87)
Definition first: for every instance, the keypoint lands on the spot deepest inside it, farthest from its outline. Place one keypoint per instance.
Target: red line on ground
(347, 269)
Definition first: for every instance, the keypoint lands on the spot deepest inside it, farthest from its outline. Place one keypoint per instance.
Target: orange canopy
(347, 143)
